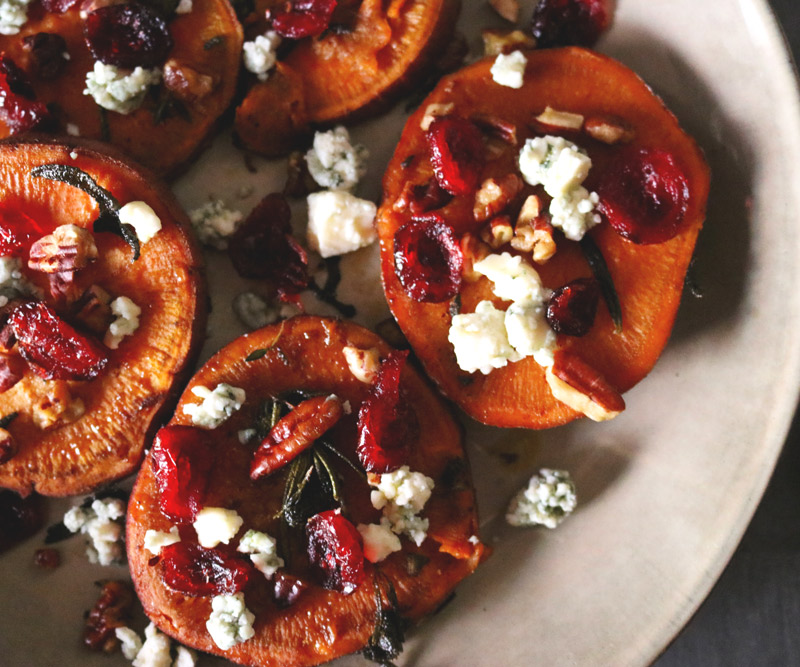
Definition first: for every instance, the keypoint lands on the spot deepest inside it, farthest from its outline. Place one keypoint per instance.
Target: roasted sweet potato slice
(197, 83)
(342, 77)
(648, 278)
(306, 354)
(73, 435)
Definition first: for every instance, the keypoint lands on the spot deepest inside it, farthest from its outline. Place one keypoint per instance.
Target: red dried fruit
(19, 109)
(303, 18)
(288, 588)
(129, 36)
(18, 231)
(336, 549)
(192, 570)
(295, 433)
(386, 424)
(569, 22)
(58, 6)
(457, 153)
(644, 195)
(53, 348)
(428, 259)
(263, 248)
(572, 308)
(48, 54)
(428, 197)
(182, 458)
(19, 518)
(47, 558)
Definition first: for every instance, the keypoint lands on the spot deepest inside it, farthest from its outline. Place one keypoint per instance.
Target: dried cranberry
(19, 109)
(263, 248)
(53, 348)
(569, 22)
(287, 588)
(19, 518)
(385, 422)
(336, 549)
(182, 458)
(128, 36)
(644, 195)
(48, 51)
(457, 153)
(303, 18)
(58, 6)
(18, 231)
(428, 259)
(572, 308)
(47, 558)
(428, 197)
(192, 570)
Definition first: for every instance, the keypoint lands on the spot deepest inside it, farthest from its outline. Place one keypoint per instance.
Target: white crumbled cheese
(509, 70)
(555, 163)
(574, 213)
(120, 90)
(230, 622)
(259, 55)
(216, 524)
(480, 340)
(529, 333)
(246, 435)
(184, 7)
(401, 495)
(142, 218)
(379, 540)
(253, 311)
(214, 222)
(155, 651)
(13, 15)
(334, 163)
(514, 279)
(184, 657)
(73, 130)
(12, 281)
(263, 550)
(126, 322)
(217, 405)
(100, 522)
(339, 223)
(547, 500)
(156, 540)
(130, 641)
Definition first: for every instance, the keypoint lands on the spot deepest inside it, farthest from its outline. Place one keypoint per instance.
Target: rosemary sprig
(600, 270)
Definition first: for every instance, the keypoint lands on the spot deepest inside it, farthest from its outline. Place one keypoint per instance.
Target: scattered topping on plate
(548, 499)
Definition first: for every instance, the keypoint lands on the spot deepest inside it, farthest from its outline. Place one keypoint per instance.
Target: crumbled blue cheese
(547, 500)
(156, 540)
(253, 311)
(184, 657)
(339, 223)
(13, 283)
(184, 7)
(509, 70)
(126, 322)
(529, 332)
(217, 405)
(230, 622)
(214, 222)
(155, 651)
(216, 524)
(480, 340)
(263, 550)
(129, 640)
(73, 130)
(379, 540)
(334, 163)
(259, 55)
(247, 435)
(402, 495)
(120, 90)
(574, 212)
(13, 15)
(513, 278)
(142, 218)
(101, 523)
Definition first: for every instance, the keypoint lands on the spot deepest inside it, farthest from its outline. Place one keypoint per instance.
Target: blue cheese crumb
(547, 500)
(119, 90)
(230, 622)
(259, 55)
(216, 524)
(101, 523)
(253, 310)
(214, 223)
(334, 162)
(339, 223)
(141, 216)
(126, 321)
(401, 495)
(156, 540)
(509, 70)
(13, 15)
(263, 550)
(217, 405)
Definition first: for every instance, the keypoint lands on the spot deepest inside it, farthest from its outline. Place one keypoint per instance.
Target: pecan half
(583, 388)
(496, 42)
(186, 83)
(69, 248)
(609, 130)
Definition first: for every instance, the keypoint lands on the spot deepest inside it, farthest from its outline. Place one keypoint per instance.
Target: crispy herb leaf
(600, 270)
(386, 642)
(5, 421)
(268, 415)
(261, 351)
(327, 292)
(215, 41)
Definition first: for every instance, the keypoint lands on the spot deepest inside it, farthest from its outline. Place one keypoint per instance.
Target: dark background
(752, 616)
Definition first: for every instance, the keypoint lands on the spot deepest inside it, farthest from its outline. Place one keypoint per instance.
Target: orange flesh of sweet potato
(648, 278)
(306, 353)
(125, 401)
(348, 76)
(164, 147)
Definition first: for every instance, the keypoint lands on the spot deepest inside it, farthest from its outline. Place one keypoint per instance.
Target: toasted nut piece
(93, 309)
(498, 232)
(533, 232)
(561, 119)
(57, 407)
(12, 370)
(299, 182)
(474, 250)
(434, 111)
(496, 42)
(112, 610)
(508, 9)
(531, 209)
(609, 129)
(581, 387)
(496, 127)
(363, 364)
(68, 248)
(493, 196)
(8, 447)
(186, 83)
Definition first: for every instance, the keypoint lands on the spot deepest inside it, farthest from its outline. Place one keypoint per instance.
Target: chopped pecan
(496, 127)
(12, 370)
(583, 388)
(496, 42)
(434, 111)
(507, 9)
(474, 250)
(498, 232)
(186, 83)
(560, 119)
(609, 129)
(494, 196)
(57, 406)
(112, 610)
(533, 232)
(93, 310)
(8, 447)
(363, 364)
(69, 248)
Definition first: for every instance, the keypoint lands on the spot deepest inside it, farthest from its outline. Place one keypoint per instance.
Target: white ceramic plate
(667, 488)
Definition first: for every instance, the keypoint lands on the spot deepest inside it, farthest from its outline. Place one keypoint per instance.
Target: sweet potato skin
(306, 353)
(125, 404)
(648, 279)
